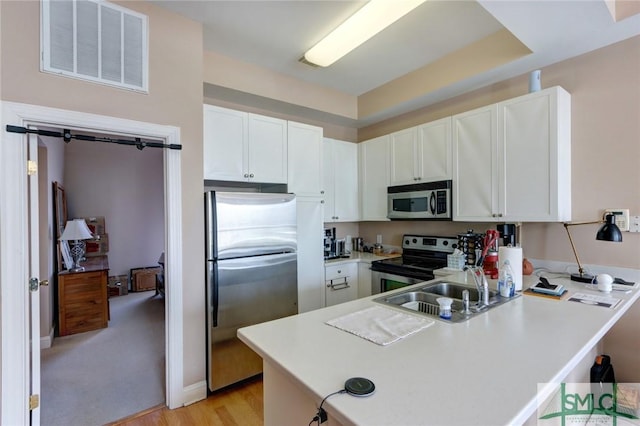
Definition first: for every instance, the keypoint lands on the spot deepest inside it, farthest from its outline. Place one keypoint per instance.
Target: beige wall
(605, 90)
(175, 98)
(224, 71)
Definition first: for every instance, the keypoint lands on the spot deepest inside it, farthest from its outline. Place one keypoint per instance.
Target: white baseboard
(47, 341)
(627, 274)
(194, 393)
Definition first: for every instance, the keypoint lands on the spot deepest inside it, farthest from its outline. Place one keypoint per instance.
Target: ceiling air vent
(95, 40)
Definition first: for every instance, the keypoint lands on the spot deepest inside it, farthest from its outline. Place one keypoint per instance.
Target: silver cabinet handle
(251, 175)
(322, 192)
(341, 284)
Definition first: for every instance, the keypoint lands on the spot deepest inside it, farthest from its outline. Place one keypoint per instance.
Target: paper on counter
(380, 325)
(592, 299)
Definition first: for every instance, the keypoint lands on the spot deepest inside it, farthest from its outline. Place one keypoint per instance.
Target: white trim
(195, 392)
(14, 349)
(14, 272)
(47, 341)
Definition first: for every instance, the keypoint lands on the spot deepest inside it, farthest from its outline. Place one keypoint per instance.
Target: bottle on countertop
(506, 285)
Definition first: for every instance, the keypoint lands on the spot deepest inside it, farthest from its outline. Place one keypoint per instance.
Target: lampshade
(76, 229)
(609, 231)
(373, 17)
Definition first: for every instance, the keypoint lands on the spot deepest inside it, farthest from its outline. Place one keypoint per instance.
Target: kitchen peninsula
(482, 371)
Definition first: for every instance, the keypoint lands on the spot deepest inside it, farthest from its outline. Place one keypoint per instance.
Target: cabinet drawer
(340, 271)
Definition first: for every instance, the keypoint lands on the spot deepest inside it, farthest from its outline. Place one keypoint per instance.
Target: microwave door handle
(432, 203)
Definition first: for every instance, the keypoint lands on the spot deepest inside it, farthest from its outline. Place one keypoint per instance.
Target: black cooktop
(420, 256)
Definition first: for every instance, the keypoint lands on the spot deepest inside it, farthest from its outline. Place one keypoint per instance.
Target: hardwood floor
(239, 404)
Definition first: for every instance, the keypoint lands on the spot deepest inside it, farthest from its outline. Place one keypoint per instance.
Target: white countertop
(360, 256)
(482, 371)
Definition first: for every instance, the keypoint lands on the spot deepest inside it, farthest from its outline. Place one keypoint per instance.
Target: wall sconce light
(76, 231)
(607, 232)
(369, 20)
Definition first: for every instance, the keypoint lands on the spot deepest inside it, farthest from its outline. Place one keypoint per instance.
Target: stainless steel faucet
(482, 285)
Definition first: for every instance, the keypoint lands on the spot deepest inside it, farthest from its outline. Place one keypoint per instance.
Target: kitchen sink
(423, 300)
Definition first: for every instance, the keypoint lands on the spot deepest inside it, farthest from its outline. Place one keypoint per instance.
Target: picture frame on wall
(60, 220)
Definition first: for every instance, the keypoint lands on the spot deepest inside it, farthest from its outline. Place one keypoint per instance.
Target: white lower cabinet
(341, 283)
(310, 254)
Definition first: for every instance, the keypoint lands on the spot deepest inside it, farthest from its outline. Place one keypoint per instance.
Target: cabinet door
(374, 178)
(434, 151)
(267, 155)
(403, 157)
(310, 254)
(531, 151)
(304, 162)
(328, 180)
(475, 163)
(345, 181)
(225, 143)
(341, 283)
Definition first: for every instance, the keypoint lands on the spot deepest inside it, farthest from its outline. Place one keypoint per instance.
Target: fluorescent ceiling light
(368, 21)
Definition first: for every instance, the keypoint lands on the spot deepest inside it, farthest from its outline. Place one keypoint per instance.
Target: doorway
(16, 373)
(102, 375)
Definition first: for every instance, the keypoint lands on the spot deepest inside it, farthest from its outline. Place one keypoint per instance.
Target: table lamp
(76, 231)
(607, 232)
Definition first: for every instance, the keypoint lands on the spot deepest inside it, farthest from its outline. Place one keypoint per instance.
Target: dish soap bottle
(506, 286)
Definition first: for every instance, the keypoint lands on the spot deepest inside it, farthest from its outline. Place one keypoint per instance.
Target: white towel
(380, 325)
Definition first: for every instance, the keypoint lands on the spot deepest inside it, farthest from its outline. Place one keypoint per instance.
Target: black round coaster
(359, 386)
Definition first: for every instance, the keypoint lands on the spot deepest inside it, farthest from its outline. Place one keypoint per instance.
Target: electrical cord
(321, 415)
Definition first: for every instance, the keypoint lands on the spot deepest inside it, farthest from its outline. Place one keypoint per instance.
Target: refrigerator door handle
(213, 275)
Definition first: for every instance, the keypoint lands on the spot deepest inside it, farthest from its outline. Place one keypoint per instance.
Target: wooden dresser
(82, 297)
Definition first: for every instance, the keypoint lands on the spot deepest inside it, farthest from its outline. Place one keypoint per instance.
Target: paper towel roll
(514, 255)
(348, 243)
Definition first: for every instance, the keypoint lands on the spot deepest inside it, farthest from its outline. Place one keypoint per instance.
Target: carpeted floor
(104, 375)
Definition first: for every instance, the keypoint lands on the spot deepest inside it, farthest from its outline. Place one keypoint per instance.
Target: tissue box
(456, 261)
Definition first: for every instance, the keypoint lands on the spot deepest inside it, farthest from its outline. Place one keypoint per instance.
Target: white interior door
(34, 283)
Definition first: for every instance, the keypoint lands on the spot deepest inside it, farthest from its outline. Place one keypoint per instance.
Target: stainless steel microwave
(420, 201)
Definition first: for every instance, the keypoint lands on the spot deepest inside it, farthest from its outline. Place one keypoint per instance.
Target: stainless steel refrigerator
(251, 275)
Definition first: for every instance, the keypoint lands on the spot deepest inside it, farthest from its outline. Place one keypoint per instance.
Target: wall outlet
(622, 218)
(634, 224)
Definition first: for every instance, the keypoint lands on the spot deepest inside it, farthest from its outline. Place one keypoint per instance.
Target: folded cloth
(380, 325)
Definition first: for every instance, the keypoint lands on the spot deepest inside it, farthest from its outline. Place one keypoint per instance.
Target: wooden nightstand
(82, 297)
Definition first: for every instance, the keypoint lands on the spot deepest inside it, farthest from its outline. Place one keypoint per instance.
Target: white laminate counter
(360, 257)
(484, 371)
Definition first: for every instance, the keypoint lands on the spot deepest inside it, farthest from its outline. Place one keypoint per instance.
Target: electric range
(421, 254)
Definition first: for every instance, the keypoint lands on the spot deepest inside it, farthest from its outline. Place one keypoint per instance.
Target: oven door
(383, 281)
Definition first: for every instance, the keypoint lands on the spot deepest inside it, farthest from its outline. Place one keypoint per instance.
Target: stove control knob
(454, 246)
(415, 240)
(407, 242)
(445, 243)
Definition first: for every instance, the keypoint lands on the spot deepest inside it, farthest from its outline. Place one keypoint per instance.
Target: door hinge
(32, 167)
(34, 402)
(33, 284)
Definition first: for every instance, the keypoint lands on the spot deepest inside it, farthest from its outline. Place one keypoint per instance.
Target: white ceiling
(275, 34)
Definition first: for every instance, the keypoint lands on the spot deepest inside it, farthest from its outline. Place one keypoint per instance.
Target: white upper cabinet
(512, 160)
(267, 154)
(422, 153)
(226, 138)
(475, 165)
(244, 147)
(305, 159)
(434, 153)
(374, 178)
(402, 149)
(534, 138)
(340, 164)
